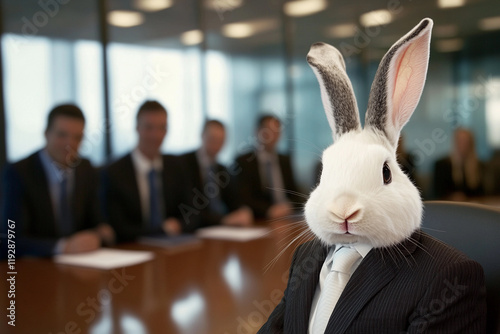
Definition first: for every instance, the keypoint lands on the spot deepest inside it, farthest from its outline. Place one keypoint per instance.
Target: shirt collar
(143, 164)
(54, 170)
(264, 155)
(363, 250)
(203, 158)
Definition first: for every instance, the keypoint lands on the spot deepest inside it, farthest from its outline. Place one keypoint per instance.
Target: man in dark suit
(417, 286)
(459, 175)
(266, 181)
(143, 191)
(213, 182)
(52, 194)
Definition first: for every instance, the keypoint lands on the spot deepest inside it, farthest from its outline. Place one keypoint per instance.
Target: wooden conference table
(211, 286)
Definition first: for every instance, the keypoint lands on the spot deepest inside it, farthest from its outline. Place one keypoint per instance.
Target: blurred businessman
(266, 181)
(459, 175)
(214, 182)
(52, 194)
(143, 191)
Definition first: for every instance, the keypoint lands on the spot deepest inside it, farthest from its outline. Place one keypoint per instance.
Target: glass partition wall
(462, 82)
(51, 55)
(250, 76)
(150, 58)
(233, 60)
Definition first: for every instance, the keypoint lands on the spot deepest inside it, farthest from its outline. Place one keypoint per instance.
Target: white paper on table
(105, 258)
(232, 233)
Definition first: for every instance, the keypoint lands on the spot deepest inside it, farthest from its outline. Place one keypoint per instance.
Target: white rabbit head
(363, 195)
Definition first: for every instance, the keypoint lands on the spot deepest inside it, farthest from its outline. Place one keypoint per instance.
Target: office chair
(474, 230)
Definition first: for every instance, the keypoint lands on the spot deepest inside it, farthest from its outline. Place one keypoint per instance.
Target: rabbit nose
(354, 215)
(346, 208)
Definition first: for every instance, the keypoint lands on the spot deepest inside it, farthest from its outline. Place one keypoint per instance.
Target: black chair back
(474, 230)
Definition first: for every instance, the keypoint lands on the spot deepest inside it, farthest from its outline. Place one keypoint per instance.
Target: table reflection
(207, 289)
(104, 323)
(131, 324)
(186, 312)
(232, 273)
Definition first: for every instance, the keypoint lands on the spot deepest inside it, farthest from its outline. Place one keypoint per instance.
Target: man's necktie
(269, 174)
(154, 199)
(270, 180)
(65, 223)
(216, 204)
(273, 185)
(334, 284)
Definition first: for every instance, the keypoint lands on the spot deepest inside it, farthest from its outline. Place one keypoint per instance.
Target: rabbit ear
(399, 82)
(336, 90)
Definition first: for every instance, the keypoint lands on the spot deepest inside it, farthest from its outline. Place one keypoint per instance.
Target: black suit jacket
(122, 204)
(26, 200)
(225, 184)
(252, 188)
(418, 286)
(444, 185)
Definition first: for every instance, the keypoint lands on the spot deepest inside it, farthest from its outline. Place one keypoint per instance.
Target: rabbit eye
(386, 173)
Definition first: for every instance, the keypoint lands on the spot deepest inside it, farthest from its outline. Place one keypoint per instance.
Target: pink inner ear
(410, 71)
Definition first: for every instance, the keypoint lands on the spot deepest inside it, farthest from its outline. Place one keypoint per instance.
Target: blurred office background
(233, 59)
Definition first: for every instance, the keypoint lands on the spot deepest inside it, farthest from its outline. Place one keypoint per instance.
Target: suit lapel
(78, 198)
(198, 180)
(254, 165)
(376, 270)
(282, 164)
(303, 284)
(132, 187)
(172, 176)
(42, 190)
(371, 276)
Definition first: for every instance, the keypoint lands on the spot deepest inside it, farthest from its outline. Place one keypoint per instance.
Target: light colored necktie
(269, 174)
(334, 284)
(272, 183)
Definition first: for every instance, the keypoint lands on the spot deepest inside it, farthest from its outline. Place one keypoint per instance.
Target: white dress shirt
(53, 172)
(205, 163)
(278, 188)
(363, 250)
(142, 167)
